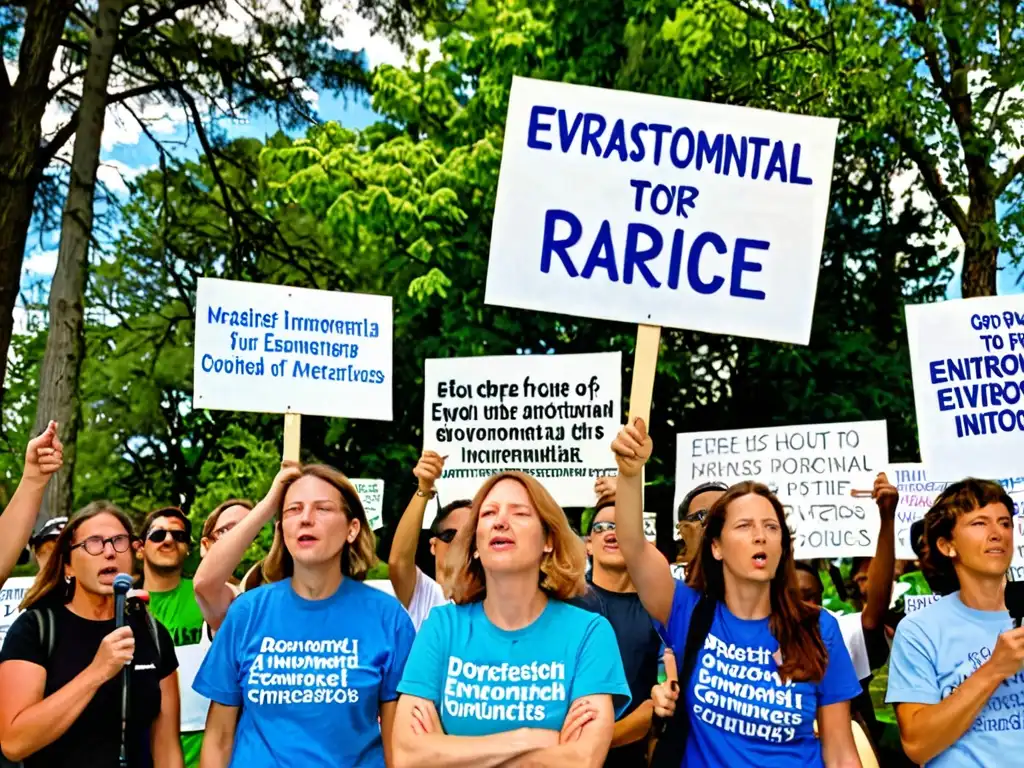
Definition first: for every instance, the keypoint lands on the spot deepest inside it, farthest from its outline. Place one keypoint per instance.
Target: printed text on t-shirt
(738, 690)
(512, 692)
(303, 672)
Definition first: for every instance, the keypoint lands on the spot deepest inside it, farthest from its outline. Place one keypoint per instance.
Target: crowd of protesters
(529, 644)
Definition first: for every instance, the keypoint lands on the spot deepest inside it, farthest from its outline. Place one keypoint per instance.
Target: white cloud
(41, 263)
(115, 175)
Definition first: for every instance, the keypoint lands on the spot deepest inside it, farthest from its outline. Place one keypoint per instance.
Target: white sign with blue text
(967, 360)
(659, 211)
(811, 467)
(279, 349)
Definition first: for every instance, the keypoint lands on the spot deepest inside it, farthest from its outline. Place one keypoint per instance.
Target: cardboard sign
(812, 468)
(552, 416)
(11, 595)
(278, 349)
(371, 493)
(967, 359)
(918, 492)
(647, 209)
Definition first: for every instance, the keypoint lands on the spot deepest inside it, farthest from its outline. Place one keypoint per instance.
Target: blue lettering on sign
(721, 153)
(641, 256)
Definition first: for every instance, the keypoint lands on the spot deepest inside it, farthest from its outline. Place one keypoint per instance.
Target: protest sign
(552, 416)
(11, 595)
(913, 603)
(967, 360)
(651, 526)
(812, 468)
(279, 349)
(371, 493)
(659, 211)
(917, 494)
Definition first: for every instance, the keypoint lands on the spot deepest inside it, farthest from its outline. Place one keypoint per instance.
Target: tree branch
(933, 181)
(1015, 170)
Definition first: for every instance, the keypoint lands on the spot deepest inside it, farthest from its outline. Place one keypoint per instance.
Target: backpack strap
(153, 633)
(671, 746)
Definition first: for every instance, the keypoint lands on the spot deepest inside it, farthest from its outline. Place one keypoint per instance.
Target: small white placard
(371, 493)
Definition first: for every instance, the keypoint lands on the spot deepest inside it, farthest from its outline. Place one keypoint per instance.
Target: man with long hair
(957, 670)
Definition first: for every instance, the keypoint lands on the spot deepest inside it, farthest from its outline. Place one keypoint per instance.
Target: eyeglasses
(95, 545)
(447, 535)
(222, 530)
(695, 517)
(157, 535)
(605, 526)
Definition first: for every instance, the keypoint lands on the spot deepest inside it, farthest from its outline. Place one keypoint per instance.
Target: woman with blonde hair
(302, 668)
(511, 674)
(62, 661)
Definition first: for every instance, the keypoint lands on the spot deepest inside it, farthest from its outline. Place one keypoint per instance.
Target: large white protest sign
(278, 349)
(811, 467)
(11, 595)
(371, 493)
(967, 359)
(654, 210)
(918, 492)
(1015, 487)
(552, 416)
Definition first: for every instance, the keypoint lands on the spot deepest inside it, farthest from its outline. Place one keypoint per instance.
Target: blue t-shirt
(309, 675)
(486, 680)
(935, 650)
(741, 713)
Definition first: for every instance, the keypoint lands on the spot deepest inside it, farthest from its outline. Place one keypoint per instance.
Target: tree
(174, 49)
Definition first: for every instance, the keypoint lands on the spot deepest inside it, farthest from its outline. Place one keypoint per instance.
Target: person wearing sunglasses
(611, 593)
(690, 516)
(414, 589)
(61, 664)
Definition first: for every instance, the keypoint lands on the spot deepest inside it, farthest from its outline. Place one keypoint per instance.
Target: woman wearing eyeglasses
(61, 664)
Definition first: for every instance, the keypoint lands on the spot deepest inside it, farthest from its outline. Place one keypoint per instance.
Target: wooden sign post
(292, 436)
(645, 364)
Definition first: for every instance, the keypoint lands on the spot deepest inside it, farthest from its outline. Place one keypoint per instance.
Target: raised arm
(43, 457)
(883, 564)
(648, 568)
(418, 741)
(402, 560)
(928, 730)
(211, 580)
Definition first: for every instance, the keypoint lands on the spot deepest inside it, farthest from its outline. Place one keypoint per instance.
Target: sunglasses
(695, 517)
(605, 526)
(94, 545)
(447, 535)
(157, 535)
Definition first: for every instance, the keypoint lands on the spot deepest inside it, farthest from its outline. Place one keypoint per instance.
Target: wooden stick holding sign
(645, 365)
(292, 436)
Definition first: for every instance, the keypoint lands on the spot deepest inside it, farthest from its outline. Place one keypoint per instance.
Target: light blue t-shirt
(741, 712)
(486, 680)
(935, 650)
(309, 675)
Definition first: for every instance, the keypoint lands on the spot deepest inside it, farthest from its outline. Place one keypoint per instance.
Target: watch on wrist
(426, 494)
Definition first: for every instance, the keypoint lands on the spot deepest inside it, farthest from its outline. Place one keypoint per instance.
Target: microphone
(1015, 602)
(122, 583)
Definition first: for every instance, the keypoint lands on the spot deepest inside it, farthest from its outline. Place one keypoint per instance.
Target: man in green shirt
(166, 539)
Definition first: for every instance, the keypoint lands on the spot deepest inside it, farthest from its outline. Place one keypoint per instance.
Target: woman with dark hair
(60, 669)
(302, 668)
(768, 664)
(512, 674)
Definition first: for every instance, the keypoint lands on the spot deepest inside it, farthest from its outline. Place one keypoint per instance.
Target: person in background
(957, 670)
(61, 664)
(414, 589)
(212, 582)
(43, 543)
(511, 674)
(224, 517)
(304, 667)
(784, 657)
(43, 456)
(612, 594)
(690, 515)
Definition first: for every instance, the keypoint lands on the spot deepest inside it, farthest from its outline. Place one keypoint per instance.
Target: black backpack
(674, 732)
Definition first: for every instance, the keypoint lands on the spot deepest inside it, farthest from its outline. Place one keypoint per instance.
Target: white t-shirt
(853, 637)
(426, 595)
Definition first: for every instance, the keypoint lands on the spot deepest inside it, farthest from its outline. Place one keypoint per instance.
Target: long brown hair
(49, 586)
(793, 623)
(562, 572)
(356, 558)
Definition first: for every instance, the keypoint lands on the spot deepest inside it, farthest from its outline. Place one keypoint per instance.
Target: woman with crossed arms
(785, 657)
(511, 674)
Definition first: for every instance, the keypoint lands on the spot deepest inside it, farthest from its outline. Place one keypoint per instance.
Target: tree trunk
(65, 344)
(21, 112)
(981, 249)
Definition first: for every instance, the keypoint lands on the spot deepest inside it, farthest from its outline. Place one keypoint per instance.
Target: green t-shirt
(179, 612)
